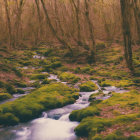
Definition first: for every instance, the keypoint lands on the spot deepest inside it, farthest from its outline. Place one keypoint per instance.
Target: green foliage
(88, 86)
(69, 77)
(4, 96)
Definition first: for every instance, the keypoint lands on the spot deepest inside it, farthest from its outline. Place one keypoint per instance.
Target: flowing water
(53, 124)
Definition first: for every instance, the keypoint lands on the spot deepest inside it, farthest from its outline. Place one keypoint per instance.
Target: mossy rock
(20, 91)
(39, 76)
(106, 83)
(4, 96)
(125, 83)
(88, 86)
(20, 84)
(10, 89)
(32, 105)
(69, 77)
(2, 84)
(93, 96)
(78, 115)
(8, 119)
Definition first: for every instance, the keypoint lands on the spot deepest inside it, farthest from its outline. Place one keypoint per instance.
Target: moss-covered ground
(117, 118)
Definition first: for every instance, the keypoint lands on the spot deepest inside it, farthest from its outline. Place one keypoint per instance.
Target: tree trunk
(39, 19)
(9, 23)
(137, 16)
(18, 21)
(127, 33)
(92, 55)
(61, 40)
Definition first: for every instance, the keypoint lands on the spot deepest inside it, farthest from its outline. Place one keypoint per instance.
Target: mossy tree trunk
(125, 11)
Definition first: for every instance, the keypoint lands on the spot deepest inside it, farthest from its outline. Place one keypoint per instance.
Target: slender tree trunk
(77, 11)
(137, 16)
(58, 19)
(39, 18)
(61, 40)
(127, 33)
(18, 21)
(9, 23)
(90, 26)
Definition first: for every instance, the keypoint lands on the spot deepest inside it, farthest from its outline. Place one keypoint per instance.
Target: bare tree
(136, 10)
(125, 9)
(9, 23)
(92, 55)
(61, 40)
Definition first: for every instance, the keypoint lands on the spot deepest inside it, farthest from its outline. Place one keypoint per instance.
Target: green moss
(2, 84)
(128, 99)
(45, 98)
(88, 86)
(78, 115)
(39, 76)
(10, 89)
(91, 126)
(93, 96)
(125, 83)
(4, 96)
(20, 91)
(120, 83)
(20, 84)
(8, 119)
(100, 46)
(69, 77)
(106, 83)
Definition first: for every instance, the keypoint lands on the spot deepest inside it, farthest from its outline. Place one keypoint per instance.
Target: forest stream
(53, 124)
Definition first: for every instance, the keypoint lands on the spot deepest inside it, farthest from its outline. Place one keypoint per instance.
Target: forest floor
(118, 117)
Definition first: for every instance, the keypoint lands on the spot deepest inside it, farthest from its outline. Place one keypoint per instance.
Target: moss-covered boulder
(88, 86)
(39, 76)
(4, 96)
(8, 119)
(30, 106)
(78, 115)
(93, 96)
(69, 77)
(10, 89)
